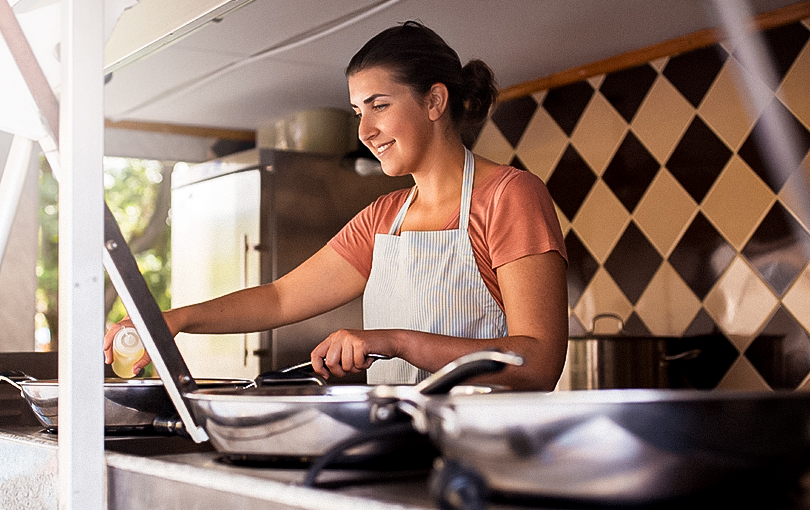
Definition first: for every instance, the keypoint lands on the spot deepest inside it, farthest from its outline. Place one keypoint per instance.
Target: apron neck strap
(466, 197)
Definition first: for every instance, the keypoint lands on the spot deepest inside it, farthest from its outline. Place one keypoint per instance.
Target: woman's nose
(365, 130)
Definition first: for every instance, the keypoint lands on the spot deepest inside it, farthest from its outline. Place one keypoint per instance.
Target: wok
(306, 422)
(130, 405)
(619, 446)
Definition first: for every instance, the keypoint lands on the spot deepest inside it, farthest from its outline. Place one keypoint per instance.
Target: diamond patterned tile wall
(672, 218)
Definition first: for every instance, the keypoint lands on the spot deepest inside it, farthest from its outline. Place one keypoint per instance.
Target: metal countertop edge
(256, 487)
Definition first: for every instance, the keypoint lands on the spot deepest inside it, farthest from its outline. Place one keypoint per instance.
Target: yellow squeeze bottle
(127, 349)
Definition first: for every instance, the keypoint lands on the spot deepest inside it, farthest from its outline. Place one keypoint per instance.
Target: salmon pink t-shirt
(511, 216)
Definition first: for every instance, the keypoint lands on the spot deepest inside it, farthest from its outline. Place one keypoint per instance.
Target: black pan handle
(466, 367)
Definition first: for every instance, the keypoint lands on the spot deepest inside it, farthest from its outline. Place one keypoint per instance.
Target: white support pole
(81, 465)
(11, 186)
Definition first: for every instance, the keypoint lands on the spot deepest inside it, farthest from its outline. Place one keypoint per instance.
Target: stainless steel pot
(130, 405)
(614, 446)
(610, 361)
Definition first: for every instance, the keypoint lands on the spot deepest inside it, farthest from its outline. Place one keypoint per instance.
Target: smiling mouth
(382, 148)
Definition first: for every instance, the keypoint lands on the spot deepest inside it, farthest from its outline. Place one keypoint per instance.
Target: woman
(471, 257)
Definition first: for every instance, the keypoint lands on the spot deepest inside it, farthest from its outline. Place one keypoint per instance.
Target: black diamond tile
(699, 361)
(775, 175)
(633, 262)
(630, 171)
(517, 163)
(570, 182)
(693, 73)
(698, 159)
(701, 256)
(784, 44)
(702, 324)
(513, 116)
(781, 352)
(565, 104)
(634, 326)
(575, 327)
(778, 249)
(582, 267)
(626, 89)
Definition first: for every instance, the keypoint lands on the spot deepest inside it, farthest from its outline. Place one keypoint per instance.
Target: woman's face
(394, 123)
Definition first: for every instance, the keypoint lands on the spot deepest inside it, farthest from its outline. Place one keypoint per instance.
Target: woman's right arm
(323, 282)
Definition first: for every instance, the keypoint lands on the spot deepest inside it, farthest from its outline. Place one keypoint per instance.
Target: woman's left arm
(535, 296)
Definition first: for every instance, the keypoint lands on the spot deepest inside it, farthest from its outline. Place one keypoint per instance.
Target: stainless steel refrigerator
(248, 219)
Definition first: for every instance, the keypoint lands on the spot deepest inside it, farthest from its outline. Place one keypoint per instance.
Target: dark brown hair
(420, 58)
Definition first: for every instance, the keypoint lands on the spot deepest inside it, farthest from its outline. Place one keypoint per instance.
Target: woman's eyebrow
(369, 99)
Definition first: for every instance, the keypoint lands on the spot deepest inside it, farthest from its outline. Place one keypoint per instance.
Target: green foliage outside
(137, 193)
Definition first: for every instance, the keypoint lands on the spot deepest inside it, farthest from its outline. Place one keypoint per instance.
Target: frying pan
(130, 405)
(616, 447)
(305, 422)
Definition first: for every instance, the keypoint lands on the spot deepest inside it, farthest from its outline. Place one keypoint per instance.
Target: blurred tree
(139, 194)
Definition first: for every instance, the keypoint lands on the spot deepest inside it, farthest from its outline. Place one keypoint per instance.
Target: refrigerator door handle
(245, 282)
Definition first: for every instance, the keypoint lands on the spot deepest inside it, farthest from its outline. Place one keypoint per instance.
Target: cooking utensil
(130, 405)
(614, 446)
(306, 421)
(298, 374)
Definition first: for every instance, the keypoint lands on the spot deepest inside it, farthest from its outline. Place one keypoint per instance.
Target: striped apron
(428, 281)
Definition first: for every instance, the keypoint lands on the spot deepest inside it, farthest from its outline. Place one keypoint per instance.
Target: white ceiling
(521, 40)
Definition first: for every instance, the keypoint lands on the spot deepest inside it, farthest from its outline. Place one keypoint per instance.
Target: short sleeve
(523, 220)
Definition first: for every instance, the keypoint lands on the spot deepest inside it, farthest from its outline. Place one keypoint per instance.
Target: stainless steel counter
(174, 473)
(194, 479)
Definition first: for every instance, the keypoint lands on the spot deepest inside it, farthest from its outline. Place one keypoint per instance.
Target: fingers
(141, 363)
(110, 335)
(343, 352)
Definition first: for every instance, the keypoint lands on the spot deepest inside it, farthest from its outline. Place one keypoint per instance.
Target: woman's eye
(379, 107)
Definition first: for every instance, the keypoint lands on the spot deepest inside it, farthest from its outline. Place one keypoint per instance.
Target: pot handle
(605, 315)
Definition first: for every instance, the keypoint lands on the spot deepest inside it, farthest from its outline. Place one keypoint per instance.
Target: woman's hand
(346, 351)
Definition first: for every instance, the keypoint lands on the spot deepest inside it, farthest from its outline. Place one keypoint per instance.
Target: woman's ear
(438, 97)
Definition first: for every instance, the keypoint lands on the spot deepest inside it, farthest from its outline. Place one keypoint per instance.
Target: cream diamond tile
(599, 133)
(659, 64)
(795, 85)
(565, 225)
(795, 194)
(668, 305)
(542, 144)
(491, 144)
(737, 202)
(600, 221)
(797, 299)
(740, 303)
(662, 119)
(540, 96)
(665, 211)
(743, 376)
(725, 110)
(596, 81)
(602, 296)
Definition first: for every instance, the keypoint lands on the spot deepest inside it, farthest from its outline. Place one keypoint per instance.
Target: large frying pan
(615, 447)
(307, 422)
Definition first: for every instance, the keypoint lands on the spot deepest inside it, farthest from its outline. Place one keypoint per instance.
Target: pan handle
(466, 367)
(412, 400)
(13, 377)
